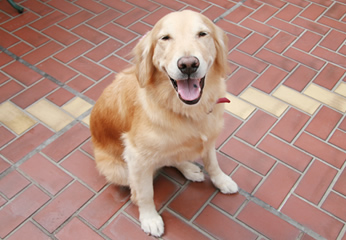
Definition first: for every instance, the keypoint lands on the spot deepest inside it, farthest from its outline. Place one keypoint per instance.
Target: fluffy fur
(140, 123)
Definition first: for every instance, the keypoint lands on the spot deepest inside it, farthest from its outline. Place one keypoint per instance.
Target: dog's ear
(143, 58)
(221, 45)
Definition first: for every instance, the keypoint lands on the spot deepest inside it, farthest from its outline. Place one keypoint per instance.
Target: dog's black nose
(188, 65)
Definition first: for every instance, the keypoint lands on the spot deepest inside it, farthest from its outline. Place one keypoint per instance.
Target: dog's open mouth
(189, 90)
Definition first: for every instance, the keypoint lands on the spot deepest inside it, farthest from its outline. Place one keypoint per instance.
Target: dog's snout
(188, 65)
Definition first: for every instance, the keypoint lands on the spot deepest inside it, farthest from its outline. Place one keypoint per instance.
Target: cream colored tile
(264, 101)
(77, 106)
(296, 99)
(325, 96)
(238, 107)
(86, 120)
(14, 118)
(50, 114)
(341, 89)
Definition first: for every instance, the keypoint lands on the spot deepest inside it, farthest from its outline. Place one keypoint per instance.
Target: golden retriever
(163, 111)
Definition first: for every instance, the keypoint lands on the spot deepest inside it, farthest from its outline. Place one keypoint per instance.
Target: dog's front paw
(191, 172)
(225, 184)
(152, 224)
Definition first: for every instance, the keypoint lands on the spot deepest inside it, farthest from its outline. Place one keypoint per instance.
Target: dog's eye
(202, 34)
(165, 38)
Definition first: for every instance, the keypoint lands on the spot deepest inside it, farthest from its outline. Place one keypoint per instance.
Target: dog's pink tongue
(189, 90)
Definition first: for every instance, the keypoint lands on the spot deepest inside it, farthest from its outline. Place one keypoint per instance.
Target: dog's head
(183, 47)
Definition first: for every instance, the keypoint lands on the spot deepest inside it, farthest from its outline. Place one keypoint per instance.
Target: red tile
(6, 136)
(5, 59)
(213, 12)
(311, 25)
(321, 150)
(342, 125)
(126, 228)
(285, 26)
(2, 201)
(26, 143)
(20, 49)
(334, 203)
(341, 183)
(89, 68)
(34, 93)
(90, 34)
(174, 174)
(103, 50)
(229, 203)
(332, 23)
(253, 43)
(73, 51)
(80, 83)
(192, 198)
(63, 206)
(22, 207)
(248, 156)
(285, 152)
(324, 122)
(115, 63)
(126, 51)
(13, 183)
(234, 28)
(105, 205)
(173, 4)
(87, 147)
(264, 13)
(330, 56)
(312, 217)
(230, 125)
(269, 79)
(276, 59)
(60, 97)
(338, 139)
(48, 20)
(95, 92)
(247, 61)
(239, 81)
(88, 173)
(304, 58)
(76, 229)
(42, 52)
(246, 179)
(131, 17)
(312, 12)
(157, 15)
(300, 78)
(240, 13)
(22, 73)
(307, 41)
(76, 19)
(57, 70)
(329, 76)
(277, 185)
(333, 40)
(4, 165)
(3, 77)
(103, 18)
(220, 226)
(227, 165)
(32, 37)
(53, 179)
(337, 11)
(61, 35)
(37, 7)
(118, 32)
(67, 7)
(268, 224)
(28, 230)
(255, 127)
(280, 42)
(312, 187)
(140, 28)
(16, 23)
(90, 5)
(8, 90)
(288, 12)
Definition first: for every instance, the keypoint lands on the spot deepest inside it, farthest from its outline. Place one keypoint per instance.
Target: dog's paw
(225, 184)
(152, 225)
(192, 172)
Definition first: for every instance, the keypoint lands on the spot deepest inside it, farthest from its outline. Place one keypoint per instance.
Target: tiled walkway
(284, 140)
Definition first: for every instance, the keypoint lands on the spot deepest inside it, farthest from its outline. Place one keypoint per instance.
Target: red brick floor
(284, 140)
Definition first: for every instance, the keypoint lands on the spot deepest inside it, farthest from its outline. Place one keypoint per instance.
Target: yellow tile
(86, 120)
(239, 107)
(77, 106)
(14, 118)
(341, 89)
(50, 115)
(296, 99)
(323, 95)
(264, 101)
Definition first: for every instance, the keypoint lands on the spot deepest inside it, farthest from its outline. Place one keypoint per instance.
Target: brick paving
(283, 141)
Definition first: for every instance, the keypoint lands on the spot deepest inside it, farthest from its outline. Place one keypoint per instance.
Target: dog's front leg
(141, 184)
(217, 176)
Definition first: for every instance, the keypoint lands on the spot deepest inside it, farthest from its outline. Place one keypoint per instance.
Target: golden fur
(139, 123)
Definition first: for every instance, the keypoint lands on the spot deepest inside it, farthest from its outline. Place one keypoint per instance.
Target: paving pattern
(284, 139)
